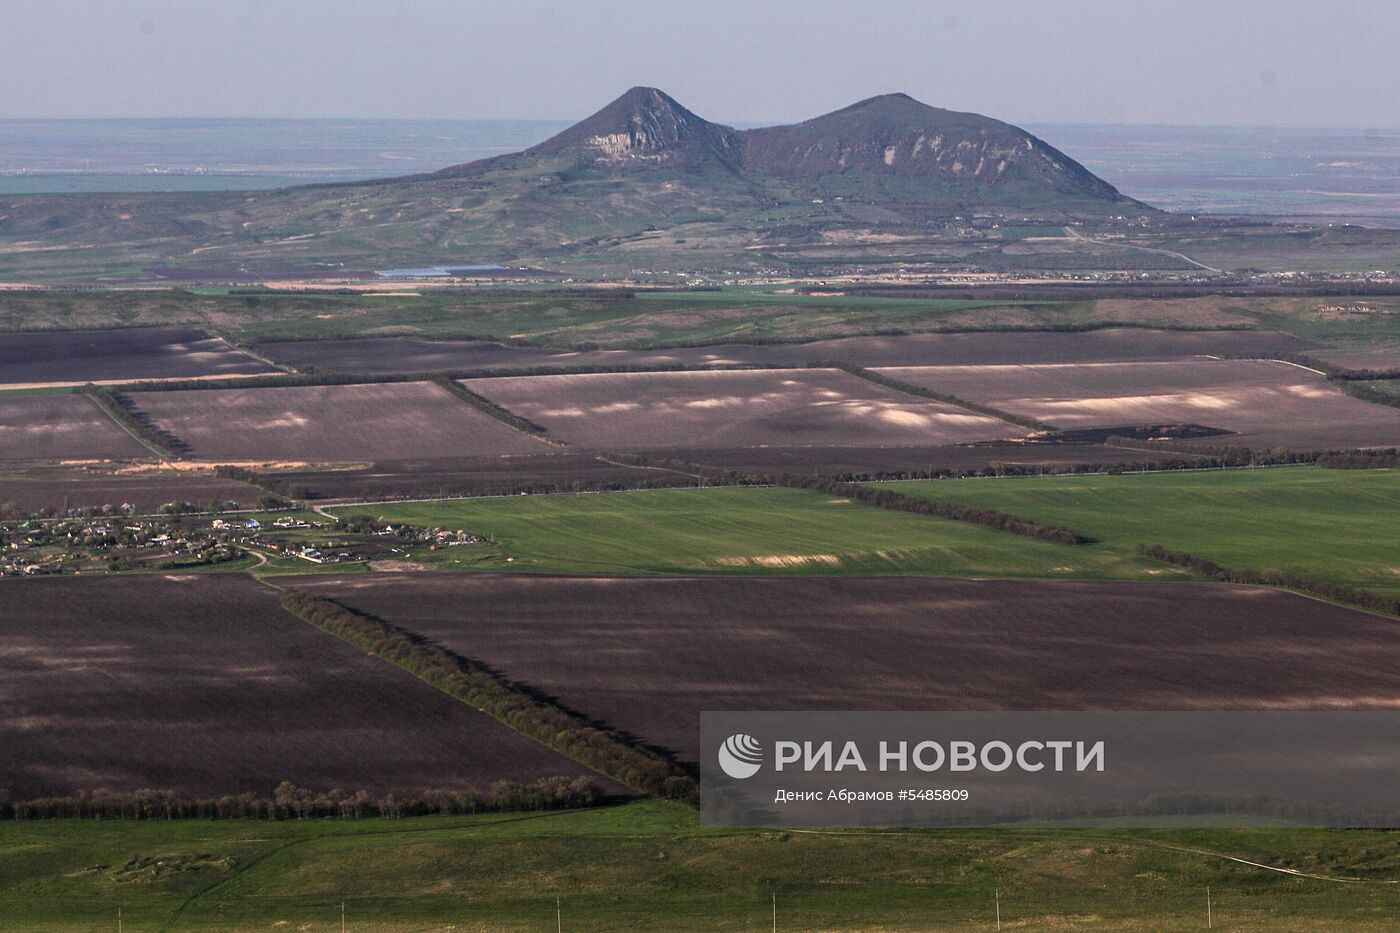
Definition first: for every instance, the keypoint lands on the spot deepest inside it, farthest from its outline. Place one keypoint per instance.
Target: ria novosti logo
(740, 756)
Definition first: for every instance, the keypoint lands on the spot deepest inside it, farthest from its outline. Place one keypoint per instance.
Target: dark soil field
(1266, 403)
(822, 407)
(647, 656)
(61, 427)
(376, 355)
(120, 355)
(473, 476)
(203, 685)
(337, 422)
(35, 489)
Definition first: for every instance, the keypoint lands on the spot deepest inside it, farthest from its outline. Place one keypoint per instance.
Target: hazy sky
(1270, 62)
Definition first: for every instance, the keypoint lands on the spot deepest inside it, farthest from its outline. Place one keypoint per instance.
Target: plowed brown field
(203, 685)
(750, 408)
(647, 656)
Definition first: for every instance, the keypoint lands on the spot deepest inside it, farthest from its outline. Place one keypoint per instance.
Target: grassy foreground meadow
(650, 866)
(742, 530)
(1338, 525)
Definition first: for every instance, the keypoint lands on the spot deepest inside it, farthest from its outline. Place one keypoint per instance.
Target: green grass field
(650, 866)
(743, 530)
(1339, 525)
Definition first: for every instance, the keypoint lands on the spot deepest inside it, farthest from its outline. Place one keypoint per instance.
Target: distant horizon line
(737, 124)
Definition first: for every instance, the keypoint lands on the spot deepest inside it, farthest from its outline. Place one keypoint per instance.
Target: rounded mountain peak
(894, 134)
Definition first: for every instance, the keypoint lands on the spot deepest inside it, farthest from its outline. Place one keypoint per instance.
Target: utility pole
(342, 917)
(775, 912)
(1210, 913)
(558, 916)
(119, 920)
(996, 893)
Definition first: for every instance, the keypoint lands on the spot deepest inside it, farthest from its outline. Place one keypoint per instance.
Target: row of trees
(880, 498)
(1331, 370)
(312, 376)
(899, 502)
(290, 801)
(124, 412)
(1336, 592)
(1128, 289)
(1367, 392)
(1205, 456)
(1361, 460)
(1354, 382)
(601, 750)
(909, 388)
(488, 407)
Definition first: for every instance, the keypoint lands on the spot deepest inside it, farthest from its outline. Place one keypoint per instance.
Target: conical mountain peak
(644, 123)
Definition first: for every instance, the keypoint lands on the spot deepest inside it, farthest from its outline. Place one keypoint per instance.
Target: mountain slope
(958, 157)
(644, 124)
(643, 182)
(893, 134)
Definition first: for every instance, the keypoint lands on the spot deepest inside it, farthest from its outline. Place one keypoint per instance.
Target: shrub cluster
(478, 687)
(1336, 592)
(280, 492)
(289, 801)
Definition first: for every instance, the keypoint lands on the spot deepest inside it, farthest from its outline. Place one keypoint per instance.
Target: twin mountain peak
(892, 136)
